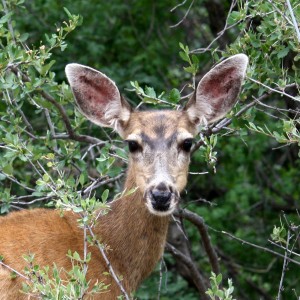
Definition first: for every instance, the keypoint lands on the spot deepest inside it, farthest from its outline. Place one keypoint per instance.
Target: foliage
(60, 284)
(50, 155)
(215, 292)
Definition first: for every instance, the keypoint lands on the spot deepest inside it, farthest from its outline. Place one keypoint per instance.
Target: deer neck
(135, 236)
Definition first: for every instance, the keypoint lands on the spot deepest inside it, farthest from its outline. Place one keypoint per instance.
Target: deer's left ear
(218, 91)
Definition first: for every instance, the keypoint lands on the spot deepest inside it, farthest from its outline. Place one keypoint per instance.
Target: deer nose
(160, 197)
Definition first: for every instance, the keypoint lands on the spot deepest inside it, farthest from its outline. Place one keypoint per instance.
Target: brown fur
(135, 228)
(129, 229)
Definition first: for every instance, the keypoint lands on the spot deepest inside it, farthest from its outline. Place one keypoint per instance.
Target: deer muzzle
(161, 199)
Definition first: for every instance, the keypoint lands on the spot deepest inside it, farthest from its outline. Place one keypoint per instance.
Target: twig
(51, 126)
(71, 134)
(223, 123)
(22, 129)
(99, 182)
(184, 17)
(281, 92)
(17, 201)
(161, 265)
(293, 19)
(198, 173)
(13, 270)
(13, 102)
(280, 12)
(214, 128)
(284, 267)
(11, 30)
(17, 182)
(281, 110)
(178, 5)
(284, 248)
(259, 247)
(90, 148)
(179, 226)
(226, 27)
(108, 264)
(85, 265)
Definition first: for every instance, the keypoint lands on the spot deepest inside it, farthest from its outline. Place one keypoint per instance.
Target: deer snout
(161, 199)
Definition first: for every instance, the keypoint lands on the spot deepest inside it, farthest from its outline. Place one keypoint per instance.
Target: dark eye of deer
(187, 145)
(133, 146)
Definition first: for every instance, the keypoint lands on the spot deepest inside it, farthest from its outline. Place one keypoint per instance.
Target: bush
(51, 156)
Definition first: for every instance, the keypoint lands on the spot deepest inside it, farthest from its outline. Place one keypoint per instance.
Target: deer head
(159, 141)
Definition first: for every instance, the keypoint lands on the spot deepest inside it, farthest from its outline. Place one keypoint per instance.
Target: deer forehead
(159, 125)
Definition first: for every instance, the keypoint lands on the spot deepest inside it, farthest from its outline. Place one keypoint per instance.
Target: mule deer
(135, 228)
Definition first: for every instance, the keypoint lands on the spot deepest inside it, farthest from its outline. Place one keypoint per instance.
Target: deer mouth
(161, 200)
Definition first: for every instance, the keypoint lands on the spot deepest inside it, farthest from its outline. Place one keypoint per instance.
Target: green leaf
(76, 256)
(46, 177)
(283, 53)
(219, 279)
(24, 37)
(195, 59)
(184, 56)
(189, 69)
(149, 91)
(174, 96)
(182, 46)
(220, 294)
(8, 169)
(45, 69)
(68, 13)
(5, 18)
(77, 209)
(104, 195)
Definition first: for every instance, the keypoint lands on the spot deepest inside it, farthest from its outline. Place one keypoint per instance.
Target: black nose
(161, 197)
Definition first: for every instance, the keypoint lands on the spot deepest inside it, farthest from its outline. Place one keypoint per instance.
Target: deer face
(159, 142)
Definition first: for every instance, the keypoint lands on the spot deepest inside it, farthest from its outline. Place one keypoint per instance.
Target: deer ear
(218, 91)
(98, 97)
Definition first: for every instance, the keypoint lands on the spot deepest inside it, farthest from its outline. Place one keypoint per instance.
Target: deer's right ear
(98, 97)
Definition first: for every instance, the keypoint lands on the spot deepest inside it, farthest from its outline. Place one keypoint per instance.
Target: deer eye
(187, 145)
(133, 146)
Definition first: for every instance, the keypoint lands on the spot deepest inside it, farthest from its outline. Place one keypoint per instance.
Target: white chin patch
(161, 213)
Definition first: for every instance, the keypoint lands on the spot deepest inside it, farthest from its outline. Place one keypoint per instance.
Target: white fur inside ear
(113, 110)
(240, 61)
(74, 71)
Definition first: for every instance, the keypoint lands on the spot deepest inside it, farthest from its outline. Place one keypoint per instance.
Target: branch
(99, 182)
(197, 278)
(214, 128)
(283, 15)
(108, 264)
(293, 19)
(14, 271)
(276, 90)
(9, 23)
(260, 247)
(200, 224)
(284, 267)
(178, 5)
(235, 269)
(226, 27)
(71, 134)
(18, 202)
(11, 178)
(184, 17)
